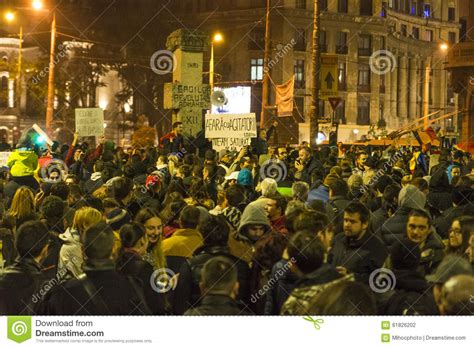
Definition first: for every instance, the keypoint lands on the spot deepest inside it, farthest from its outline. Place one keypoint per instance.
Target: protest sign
(90, 122)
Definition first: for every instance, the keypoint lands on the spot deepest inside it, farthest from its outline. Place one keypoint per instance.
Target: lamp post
(217, 38)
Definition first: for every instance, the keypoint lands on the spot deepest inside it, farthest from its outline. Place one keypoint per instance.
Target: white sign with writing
(90, 122)
(231, 126)
(4, 158)
(229, 143)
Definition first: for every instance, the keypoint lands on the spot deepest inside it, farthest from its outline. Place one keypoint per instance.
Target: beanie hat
(411, 197)
(117, 218)
(245, 177)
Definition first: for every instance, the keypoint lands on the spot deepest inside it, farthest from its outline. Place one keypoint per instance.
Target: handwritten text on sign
(90, 122)
(179, 96)
(231, 126)
(229, 143)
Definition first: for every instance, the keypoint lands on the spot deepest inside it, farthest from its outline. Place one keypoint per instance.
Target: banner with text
(230, 131)
(90, 122)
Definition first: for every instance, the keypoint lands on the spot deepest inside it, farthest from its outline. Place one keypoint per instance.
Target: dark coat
(443, 223)
(20, 286)
(132, 265)
(432, 254)
(285, 282)
(360, 257)
(335, 212)
(312, 167)
(217, 305)
(377, 219)
(190, 274)
(395, 227)
(115, 294)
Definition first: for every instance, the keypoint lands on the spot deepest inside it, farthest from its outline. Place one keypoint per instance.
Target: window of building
(340, 113)
(363, 112)
(429, 35)
(364, 78)
(257, 39)
(421, 9)
(341, 42)
(256, 69)
(414, 8)
(342, 6)
(299, 104)
(299, 74)
(382, 83)
(341, 76)
(366, 8)
(384, 9)
(323, 47)
(323, 5)
(383, 43)
(365, 45)
(300, 40)
(416, 33)
(405, 6)
(301, 4)
(321, 110)
(403, 30)
(451, 14)
(427, 11)
(452, 37)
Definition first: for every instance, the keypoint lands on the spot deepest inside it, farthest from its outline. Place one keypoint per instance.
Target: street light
(444, 46)
(217, 38)
(37, 4)
(9, 16)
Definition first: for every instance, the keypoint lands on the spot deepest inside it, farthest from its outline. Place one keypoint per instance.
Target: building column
(387, 104)
(402, 98)
(412, 88)
(394, 96)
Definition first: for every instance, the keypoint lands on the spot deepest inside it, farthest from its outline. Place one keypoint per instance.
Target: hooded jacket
(439, 196)
(22, 162)
(71, 261)
(409, 198)
(240, 244)
(182, 243)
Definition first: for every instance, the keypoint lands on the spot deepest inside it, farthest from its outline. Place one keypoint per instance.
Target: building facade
(406, 34)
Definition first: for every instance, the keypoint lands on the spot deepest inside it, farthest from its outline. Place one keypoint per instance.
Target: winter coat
(93, 183)
(432, 253)
(190, 276)
(182, 243)
(239, 243)
(311, 168)
(131, 264)
(321, 193)
(439, 196)
(19, 287)
(22, 162)
(309, 287)
(284, 281)
(112, 293)
(71, 261)
(358, 256)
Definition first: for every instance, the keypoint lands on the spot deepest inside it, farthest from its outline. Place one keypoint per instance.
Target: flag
(284, 97)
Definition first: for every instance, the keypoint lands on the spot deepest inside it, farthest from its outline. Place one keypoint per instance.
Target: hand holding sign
(90, 122)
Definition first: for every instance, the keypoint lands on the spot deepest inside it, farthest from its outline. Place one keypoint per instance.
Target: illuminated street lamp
(217, 38)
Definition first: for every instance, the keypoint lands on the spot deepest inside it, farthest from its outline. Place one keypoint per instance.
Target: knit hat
(411, 197)
(117, 218)
(245, 177)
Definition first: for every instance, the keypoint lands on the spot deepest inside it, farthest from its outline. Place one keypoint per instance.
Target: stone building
(407, 33)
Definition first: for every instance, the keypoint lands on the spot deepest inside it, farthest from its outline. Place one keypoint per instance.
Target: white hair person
(269, 187)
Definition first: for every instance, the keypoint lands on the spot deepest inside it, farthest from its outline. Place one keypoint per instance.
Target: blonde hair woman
(22, 208)
(70, 256)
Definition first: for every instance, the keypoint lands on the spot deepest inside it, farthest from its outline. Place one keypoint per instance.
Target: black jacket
(312, 168)
(20, 286)
(285, 282)
(132, 265)
(396, 226)
(110, 294)
(360, 257)
(432, 254)
(335, 211)
(190, 274)
(217, 305)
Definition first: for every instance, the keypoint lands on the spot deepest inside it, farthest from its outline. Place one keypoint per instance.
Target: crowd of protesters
(182, 229)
